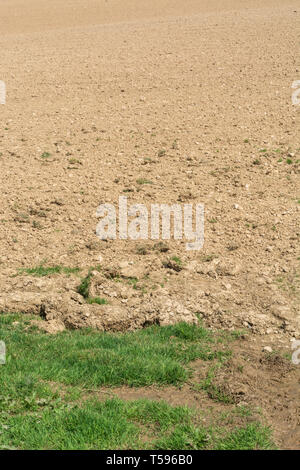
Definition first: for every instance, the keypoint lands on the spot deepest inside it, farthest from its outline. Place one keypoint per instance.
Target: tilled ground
(177, 103)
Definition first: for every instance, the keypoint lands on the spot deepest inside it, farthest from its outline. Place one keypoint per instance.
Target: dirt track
(173, 103)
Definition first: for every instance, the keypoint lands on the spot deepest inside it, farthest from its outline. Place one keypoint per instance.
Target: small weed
(46, 155)
(162, 247)
(84, 288)
(141, 250)
(74, 161)
(173, 263)
(143, 181)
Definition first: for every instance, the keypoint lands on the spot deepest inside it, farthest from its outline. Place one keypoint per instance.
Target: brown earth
(164, 102)
(173, 103)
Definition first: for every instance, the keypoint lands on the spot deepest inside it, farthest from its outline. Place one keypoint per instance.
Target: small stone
(260, 281)
(267, 349)
(123, 264)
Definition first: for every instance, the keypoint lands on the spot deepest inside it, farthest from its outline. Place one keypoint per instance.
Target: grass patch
(156, 354)
(42, 271)
(254, 436)
(46, 155)
(84, 288)
(173, 263)
(116, 424)
(177, 260)
(48, 380)
(143, 181)
(97, 300)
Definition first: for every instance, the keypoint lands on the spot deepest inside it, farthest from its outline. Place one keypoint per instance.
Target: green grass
(174, 263)
(177, 260)
(84, 288)
(117, 424)
(251, 437)
(42, 271)
(153, 355)
(97, 300)
(143, 181)
(49, 390)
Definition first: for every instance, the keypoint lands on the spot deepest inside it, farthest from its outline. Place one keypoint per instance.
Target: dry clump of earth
(179, 102)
